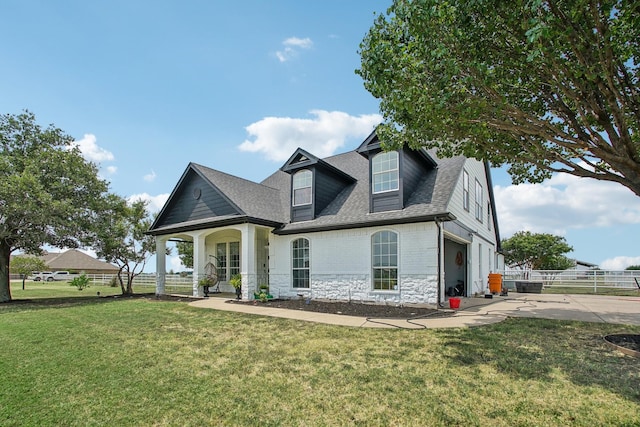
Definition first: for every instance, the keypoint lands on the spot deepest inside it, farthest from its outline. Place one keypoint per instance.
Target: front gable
(194, 198)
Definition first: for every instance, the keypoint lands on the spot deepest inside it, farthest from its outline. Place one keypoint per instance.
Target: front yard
(147, 362)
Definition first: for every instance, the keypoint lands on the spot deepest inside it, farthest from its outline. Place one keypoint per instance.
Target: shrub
(80, 282)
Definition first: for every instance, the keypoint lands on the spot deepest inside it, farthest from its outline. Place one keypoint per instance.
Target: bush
(80, 282)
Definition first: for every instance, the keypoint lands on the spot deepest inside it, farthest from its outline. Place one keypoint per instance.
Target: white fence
(594, 280)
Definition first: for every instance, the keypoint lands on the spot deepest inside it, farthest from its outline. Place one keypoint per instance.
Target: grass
(145, 362)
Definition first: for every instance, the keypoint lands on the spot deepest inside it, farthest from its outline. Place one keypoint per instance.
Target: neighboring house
(367, 225)
(76, 261)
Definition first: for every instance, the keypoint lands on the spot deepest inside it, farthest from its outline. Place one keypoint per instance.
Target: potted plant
(236, 282)
(205, 282)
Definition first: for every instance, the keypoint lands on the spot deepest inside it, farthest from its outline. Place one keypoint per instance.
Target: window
(385, 261)
(228, 255)
(465, 190)
(479, 202)
(384, 172)
(302, 188)
(489, 216)
(300, 263)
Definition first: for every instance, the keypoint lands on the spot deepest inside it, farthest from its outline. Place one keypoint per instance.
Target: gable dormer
(314, 184)
(393, 175)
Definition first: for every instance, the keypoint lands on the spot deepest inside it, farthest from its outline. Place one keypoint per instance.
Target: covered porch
(228, 250)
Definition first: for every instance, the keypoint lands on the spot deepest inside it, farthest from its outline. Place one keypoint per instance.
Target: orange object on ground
(495, 283)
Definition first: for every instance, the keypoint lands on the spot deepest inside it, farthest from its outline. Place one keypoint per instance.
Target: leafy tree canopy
(25, 265)
(185, 253)
(541, 85)
(121, 239)
(536, 251)
(49, 194)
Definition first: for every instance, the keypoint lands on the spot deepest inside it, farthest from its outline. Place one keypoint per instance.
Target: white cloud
(564, 202)
(155, 202)
(174, 263)
(111, 170)
(278, 137)
(91, 151)
(619, 263)
(150, 177)
(292, 46)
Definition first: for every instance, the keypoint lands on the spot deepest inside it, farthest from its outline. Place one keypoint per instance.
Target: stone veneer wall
(412, 289)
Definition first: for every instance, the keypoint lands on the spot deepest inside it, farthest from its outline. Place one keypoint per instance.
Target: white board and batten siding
(481, 245)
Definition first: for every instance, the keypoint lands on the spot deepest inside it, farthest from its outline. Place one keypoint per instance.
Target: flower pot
(239, 293)
(454, 303)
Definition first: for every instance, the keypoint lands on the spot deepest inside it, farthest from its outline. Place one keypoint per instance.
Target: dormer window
(384, 172)
(302, 182)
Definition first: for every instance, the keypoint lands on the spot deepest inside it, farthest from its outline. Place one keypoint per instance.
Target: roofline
(213, 224)
(195, 168)
(448, 216)
(487, 171)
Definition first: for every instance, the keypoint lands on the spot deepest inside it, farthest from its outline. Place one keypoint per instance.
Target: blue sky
(147, 87)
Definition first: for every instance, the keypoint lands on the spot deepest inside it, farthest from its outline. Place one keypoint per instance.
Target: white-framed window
(489, 216)
(384, 172)
(465, 190)
(479, 201)
(300, 263)
(228, 257)
(302, 182)
(384, 254)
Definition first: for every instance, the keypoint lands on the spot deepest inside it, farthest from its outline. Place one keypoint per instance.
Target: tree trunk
(5, 283)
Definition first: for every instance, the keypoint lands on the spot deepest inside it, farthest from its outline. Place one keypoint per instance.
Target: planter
(238, 293)
(529, 287)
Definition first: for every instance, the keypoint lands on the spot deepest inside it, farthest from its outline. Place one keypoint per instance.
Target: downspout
(440, 301)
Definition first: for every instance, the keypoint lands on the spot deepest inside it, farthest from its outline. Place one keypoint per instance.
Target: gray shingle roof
(255, 200)
(74, 259)
(351, 207)
(270, 200)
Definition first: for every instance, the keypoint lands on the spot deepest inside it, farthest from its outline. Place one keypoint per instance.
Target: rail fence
(592, 281)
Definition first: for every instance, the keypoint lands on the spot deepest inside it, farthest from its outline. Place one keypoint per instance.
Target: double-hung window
(300, 263)
(479, 201)
(384, 250)
(302, 183)
(465, 190)
(384, 172)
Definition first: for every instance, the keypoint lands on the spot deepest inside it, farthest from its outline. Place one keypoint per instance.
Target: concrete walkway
(472, 312)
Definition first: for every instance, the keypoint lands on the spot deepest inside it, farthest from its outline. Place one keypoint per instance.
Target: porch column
(161, 263)
(248, 260)
(199, 260)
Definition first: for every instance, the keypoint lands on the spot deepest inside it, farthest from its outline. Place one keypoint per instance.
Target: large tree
(536, 251)
(541, 85)
(48, 192)
(121, 238)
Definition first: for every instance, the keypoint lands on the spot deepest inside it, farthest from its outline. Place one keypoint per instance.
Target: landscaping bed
(378, 311)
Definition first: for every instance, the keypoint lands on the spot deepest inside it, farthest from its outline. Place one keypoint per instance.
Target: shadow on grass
(539, 349)
(63, 302)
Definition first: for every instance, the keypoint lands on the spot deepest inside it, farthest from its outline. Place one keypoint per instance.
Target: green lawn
(146, 362)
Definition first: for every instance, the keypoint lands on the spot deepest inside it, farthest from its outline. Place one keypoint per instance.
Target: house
(77, 261)
(367, 225)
